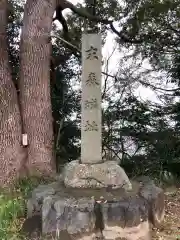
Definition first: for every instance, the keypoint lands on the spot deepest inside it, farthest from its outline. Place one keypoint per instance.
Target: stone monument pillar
(91, 149)
(72, 207)
(90, 171)
(90, 200)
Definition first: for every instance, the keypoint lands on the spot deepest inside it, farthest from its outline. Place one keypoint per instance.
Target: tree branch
(107, 69)
(158, 88)
(64, 4)
(76, 51)
(124, 37)
(146, 84)
(81, 12)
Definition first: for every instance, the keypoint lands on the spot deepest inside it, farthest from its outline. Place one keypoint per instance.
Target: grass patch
(12, 206)
(10, 209)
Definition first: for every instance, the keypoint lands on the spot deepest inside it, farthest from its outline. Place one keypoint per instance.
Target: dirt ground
(170, 229)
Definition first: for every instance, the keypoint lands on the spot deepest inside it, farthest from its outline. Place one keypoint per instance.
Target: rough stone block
(156, 201)
(127, 219)
(95, 176)
(81, 217)
(75, 217)
(34, 204)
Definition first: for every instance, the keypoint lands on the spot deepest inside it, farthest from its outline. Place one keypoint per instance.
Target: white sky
(142, 92)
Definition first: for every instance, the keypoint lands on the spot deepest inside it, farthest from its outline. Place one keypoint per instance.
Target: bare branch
(105, 87)
(146, 84)
(107, 69)
(158, 88)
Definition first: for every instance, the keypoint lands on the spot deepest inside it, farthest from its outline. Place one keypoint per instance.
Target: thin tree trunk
(12, 154)
(35, 50)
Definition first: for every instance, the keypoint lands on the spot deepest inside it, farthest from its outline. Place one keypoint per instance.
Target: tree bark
(35, 51)
(12, 154)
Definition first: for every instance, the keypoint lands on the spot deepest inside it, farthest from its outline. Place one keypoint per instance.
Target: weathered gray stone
(72, 216)
(156, 201)
(68, 214)
(91, 127)
(127, 219)
(38, 194)
(95, 176)
(31, 207)
(43, 191)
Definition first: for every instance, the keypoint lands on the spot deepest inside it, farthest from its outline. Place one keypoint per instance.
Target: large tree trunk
(35, 50)
(12, 154)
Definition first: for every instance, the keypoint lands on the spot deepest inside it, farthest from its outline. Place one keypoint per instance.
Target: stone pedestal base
(72, 214)
(103, 175)
(84, 219)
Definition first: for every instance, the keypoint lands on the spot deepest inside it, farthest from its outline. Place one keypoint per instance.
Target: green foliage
(9, 211)
(156, 24)
(13, 204)
(13, 28)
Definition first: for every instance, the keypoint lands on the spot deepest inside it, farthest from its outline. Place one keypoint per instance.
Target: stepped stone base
(83, 219)
(107, 174)
(89, 214)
